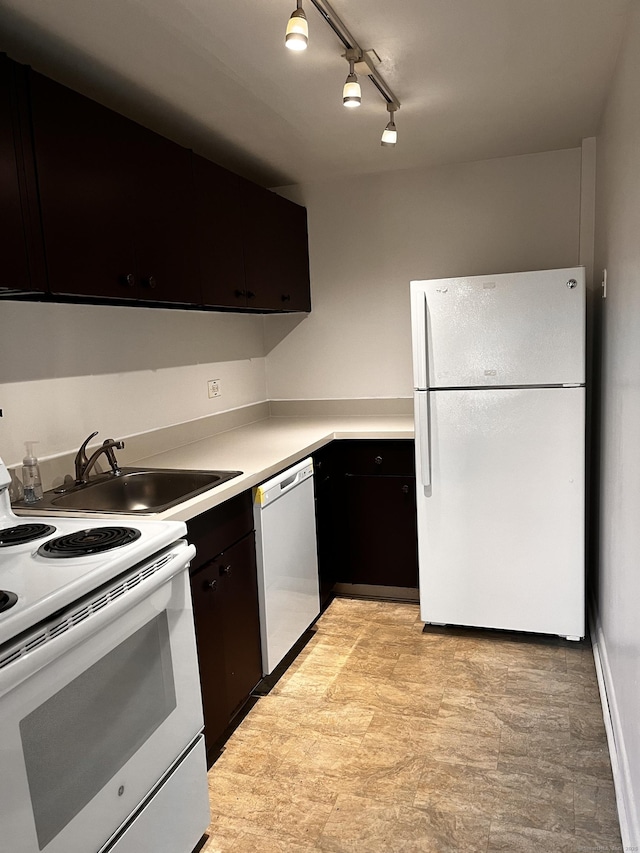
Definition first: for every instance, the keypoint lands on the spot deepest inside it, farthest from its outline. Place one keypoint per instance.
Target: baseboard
(626, 802)
(383, 593)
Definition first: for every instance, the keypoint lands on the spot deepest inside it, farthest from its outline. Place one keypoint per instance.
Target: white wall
(370, 235)
(618, 249)
(67, 370)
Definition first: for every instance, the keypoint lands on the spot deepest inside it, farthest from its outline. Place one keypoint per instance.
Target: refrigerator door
(501, 525)
(499, 331)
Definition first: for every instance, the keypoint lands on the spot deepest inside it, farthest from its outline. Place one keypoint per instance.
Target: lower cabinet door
(381, 537)
(241, 620)
(208, 608)
(330, 521)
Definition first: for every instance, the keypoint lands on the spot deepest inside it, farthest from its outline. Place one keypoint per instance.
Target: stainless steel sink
(134, 490)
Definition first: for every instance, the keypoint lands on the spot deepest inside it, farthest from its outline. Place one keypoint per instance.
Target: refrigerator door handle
(423, 438)
(419, 333)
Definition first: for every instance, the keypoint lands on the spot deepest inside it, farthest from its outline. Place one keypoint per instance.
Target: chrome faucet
(84, 464)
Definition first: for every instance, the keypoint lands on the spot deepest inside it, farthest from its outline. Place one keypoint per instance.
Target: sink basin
(137, 490)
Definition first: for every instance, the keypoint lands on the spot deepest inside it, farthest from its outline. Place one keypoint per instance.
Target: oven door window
(78, 739)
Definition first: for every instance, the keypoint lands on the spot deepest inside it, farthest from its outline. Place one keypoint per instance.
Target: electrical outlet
(213, 386)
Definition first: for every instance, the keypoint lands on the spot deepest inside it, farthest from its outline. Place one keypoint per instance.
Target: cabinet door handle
(150, 281)
(128, 280)
(212, 585)
(239, 294)
(286, 297)
(405, 490)
(250, 294)
(225, 570)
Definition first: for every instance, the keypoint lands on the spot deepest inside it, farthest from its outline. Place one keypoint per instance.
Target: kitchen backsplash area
(68, 370)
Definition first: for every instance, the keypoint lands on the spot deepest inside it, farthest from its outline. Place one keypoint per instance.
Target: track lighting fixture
(390, 133)
(363, 63)
(297, 35)
(351, 93)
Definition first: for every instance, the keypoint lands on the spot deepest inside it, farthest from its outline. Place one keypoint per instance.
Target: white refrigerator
(499, 377)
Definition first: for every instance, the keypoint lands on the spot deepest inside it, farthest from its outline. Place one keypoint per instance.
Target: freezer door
(501, 527)
(502, 330)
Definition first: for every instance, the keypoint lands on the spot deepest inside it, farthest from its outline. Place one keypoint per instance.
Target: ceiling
(476, 79)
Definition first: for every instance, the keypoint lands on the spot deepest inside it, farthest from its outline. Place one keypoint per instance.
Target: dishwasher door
(288, 588)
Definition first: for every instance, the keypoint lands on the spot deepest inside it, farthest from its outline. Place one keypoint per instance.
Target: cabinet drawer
(218, 528)
(377, 456)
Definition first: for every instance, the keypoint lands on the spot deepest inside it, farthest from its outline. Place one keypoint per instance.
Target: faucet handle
(110, 445)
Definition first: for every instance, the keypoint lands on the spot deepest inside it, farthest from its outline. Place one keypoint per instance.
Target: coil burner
(7, 599)
(21, 533)
(92, 541)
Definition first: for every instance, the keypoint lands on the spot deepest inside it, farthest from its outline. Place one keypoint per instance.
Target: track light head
(390, 133)
(297, 35)
(351, 93)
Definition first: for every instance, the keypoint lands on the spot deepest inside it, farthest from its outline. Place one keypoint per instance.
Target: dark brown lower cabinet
(366, 514)
(225, 603)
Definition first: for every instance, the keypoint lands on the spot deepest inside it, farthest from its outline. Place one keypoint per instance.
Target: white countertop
(261, 450)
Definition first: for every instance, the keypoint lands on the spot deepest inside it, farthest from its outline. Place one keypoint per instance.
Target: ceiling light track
(360, 61)
(336, 23)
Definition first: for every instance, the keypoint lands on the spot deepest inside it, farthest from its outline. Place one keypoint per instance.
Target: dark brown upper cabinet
(116, 202)
(21, 269)
(275, 251)
(95, 207)
(219, 233)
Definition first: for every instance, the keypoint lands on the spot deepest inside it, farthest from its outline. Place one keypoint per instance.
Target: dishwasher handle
(282, 483)
(289, 481)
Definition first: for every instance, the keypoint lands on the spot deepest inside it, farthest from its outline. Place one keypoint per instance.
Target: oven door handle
(82, 620)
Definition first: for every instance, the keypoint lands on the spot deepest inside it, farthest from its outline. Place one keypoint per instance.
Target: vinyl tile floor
(381, 738)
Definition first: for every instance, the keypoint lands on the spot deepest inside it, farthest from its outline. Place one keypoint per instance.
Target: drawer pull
(378, 460)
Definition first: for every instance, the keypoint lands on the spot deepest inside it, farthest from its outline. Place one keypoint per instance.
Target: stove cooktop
(48, 564)
(43, 583)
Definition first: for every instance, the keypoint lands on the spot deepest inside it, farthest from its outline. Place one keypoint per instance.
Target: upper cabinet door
(20, 270)
(296, 288)
(163, 210)
(276, 251)
(116, 201)
(85, 174)
(219, 234)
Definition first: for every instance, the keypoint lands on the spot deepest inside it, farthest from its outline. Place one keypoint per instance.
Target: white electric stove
(99, 686)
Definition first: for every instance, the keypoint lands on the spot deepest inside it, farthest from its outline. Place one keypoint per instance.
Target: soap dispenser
(31, 480)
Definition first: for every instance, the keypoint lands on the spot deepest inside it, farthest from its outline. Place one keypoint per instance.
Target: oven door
(96, 705)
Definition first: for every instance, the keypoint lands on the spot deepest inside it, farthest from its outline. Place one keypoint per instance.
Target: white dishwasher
(285, 522)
